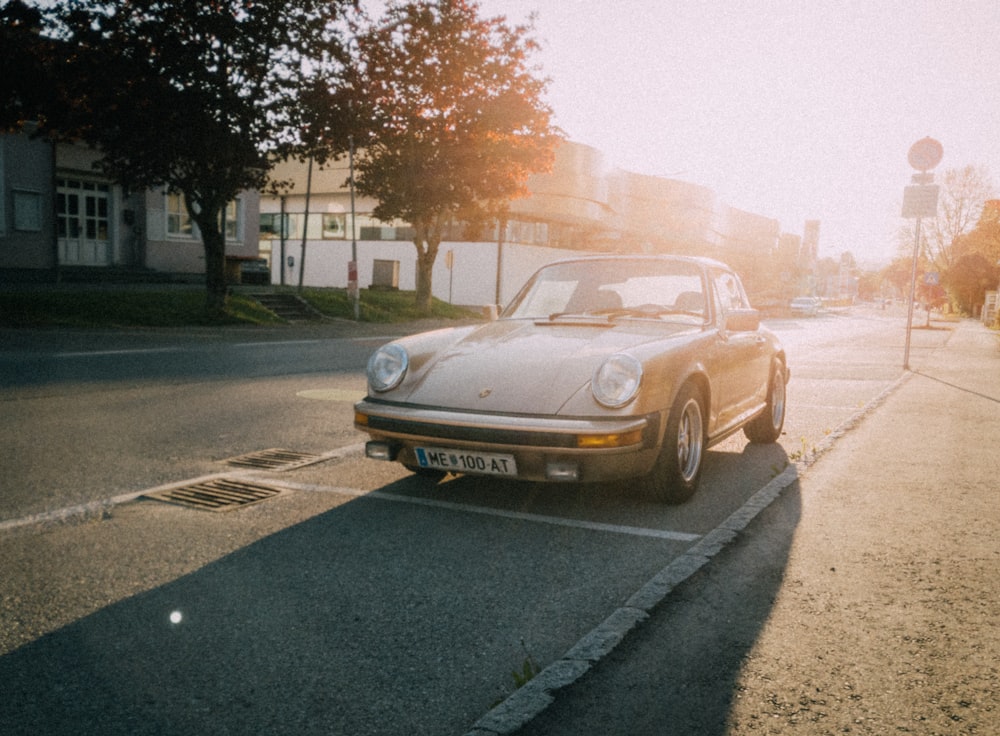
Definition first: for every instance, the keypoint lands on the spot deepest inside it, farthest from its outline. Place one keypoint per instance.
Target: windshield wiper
(589, 318)
(650, 312)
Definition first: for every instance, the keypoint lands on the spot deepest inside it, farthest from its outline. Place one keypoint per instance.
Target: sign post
(919, 200)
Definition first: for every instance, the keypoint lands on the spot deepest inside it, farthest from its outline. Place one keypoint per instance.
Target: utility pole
(352, 267)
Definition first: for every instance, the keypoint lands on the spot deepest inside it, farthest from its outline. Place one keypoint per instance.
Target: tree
(976, 267)
(454, 118)
(963, 193)
(968, 280)
(198, 97)
(984, 239)
(869, 286)
(23, 52)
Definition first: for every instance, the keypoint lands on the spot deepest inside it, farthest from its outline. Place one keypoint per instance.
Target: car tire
(766, 427)
(675, 477)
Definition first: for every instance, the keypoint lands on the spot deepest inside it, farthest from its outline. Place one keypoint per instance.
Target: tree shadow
(366, 619)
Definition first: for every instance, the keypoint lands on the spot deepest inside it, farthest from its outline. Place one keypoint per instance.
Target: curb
(528, 701)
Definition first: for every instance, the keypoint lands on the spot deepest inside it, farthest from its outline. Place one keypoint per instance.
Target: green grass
(125, 307)
(380, 306)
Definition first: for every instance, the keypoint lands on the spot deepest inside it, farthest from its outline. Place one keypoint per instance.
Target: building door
(83, 215)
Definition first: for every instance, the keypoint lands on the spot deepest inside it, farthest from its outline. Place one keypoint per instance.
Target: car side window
(729, 294)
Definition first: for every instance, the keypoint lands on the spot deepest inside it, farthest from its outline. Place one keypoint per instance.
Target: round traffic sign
(925, 154)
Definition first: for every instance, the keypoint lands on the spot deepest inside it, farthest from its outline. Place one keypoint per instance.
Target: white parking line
(270, 343)
(101, 506)
(635, 531)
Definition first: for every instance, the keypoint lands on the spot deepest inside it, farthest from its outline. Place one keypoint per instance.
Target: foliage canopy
(450, 116)
(198, 97)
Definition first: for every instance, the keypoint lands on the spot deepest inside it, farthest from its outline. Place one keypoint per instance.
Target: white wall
(472, 282)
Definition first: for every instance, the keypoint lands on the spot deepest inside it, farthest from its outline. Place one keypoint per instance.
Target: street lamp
(919, 200)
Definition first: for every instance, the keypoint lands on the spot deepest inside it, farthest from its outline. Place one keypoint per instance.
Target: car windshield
(613, 289)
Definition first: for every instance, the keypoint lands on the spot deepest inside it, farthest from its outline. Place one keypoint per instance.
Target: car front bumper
(589, 449)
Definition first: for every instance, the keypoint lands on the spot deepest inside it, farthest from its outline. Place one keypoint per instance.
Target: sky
(789, 109)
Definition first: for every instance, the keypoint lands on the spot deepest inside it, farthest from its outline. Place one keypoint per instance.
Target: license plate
(466, 461)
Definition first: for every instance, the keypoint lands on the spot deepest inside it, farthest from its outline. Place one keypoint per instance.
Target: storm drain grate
(275, 459)
(220, 494)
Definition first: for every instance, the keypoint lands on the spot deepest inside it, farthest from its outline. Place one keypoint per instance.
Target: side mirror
(742, 320)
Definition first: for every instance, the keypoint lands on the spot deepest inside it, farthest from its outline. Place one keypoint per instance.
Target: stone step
(288, 307)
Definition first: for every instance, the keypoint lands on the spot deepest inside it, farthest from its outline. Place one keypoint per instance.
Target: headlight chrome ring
(616, 381)
(387, 367)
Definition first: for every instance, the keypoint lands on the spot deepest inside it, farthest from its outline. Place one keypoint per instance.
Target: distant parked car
(807, 306)
(255, 271)
(602, 368)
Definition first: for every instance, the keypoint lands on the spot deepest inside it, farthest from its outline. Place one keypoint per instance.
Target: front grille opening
(220, 494)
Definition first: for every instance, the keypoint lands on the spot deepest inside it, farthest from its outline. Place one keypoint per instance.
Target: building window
(271, 226)
(27, 211)
(179, 223)
(334, 227)
(230, 220)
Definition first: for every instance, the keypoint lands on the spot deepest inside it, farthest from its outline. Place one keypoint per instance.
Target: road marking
(101, 506)
(102, 353)
(176, 349)
(332, 394)
(634, 531)
(268, 343)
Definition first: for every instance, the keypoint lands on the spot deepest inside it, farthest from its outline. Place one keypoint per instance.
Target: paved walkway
(864, 600)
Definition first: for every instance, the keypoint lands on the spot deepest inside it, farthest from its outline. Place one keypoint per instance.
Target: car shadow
(679, 672)
(729, 479)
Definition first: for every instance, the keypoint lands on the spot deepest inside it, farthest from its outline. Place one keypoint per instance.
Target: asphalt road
(360, 601)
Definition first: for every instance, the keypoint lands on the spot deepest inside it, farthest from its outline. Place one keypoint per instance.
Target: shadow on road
(366, 619)
(678, 673)
(923, 374)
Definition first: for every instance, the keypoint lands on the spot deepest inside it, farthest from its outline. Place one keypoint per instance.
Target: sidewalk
(864, 600)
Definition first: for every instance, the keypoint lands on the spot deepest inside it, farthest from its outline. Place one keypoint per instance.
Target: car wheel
(678, 468)
(766, 427)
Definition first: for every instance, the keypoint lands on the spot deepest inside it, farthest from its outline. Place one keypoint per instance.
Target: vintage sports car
(602, 368)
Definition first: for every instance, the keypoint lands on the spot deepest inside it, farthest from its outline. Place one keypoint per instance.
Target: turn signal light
(621, 439)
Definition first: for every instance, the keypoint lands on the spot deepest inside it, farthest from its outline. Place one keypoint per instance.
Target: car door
(743, 362)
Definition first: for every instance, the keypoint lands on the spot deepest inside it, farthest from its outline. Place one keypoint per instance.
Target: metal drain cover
(220, 494)
(275, 459)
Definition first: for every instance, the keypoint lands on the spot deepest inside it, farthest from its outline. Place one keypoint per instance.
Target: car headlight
(616, 381)
(387, 367)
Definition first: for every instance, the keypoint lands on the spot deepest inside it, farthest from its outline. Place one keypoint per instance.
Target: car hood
(520, 366)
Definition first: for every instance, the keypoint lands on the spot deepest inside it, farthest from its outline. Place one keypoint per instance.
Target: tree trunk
(426, 240)
(214, 242)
